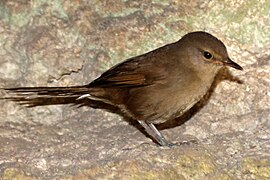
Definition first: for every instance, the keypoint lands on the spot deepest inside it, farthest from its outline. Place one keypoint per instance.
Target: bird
(151, 88)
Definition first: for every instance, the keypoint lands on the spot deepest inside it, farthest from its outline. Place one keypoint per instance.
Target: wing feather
(134, 72)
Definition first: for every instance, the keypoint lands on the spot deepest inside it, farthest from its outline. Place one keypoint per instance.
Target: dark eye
(207, 55)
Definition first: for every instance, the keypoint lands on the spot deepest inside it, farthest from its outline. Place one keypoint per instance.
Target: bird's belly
(171, 108)
(163, 105)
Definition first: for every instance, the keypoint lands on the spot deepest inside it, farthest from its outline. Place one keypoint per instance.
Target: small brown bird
(154, 87)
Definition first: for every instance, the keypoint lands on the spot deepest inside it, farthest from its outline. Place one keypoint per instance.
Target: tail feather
(74, 91)
(36, 96)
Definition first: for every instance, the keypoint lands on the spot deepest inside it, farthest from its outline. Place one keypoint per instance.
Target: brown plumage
(154, 87)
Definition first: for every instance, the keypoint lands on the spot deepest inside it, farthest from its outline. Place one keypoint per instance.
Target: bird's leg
(154, 133)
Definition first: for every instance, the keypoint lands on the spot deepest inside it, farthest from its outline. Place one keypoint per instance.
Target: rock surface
(65, 43)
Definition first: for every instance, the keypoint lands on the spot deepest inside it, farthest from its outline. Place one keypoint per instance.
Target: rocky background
(65, 43)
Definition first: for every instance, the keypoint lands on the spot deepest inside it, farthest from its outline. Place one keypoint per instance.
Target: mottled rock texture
(65, 43)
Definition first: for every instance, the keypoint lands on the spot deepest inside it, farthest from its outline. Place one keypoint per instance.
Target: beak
(229, 62)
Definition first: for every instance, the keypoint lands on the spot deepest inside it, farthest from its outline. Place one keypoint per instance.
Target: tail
(74, 91)
(33, 96)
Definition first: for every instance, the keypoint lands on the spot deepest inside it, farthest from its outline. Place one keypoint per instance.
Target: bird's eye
(207, 55)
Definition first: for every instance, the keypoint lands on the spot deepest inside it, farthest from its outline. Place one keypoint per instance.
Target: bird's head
(206, 50)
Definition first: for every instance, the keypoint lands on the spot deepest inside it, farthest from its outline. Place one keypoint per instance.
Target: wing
(139, 71)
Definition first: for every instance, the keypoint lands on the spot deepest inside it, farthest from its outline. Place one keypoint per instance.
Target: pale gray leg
(154, 133)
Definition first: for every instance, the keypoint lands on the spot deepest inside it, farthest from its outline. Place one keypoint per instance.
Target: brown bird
(154, 87)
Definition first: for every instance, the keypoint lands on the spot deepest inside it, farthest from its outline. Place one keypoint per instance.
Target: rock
(65, 43)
